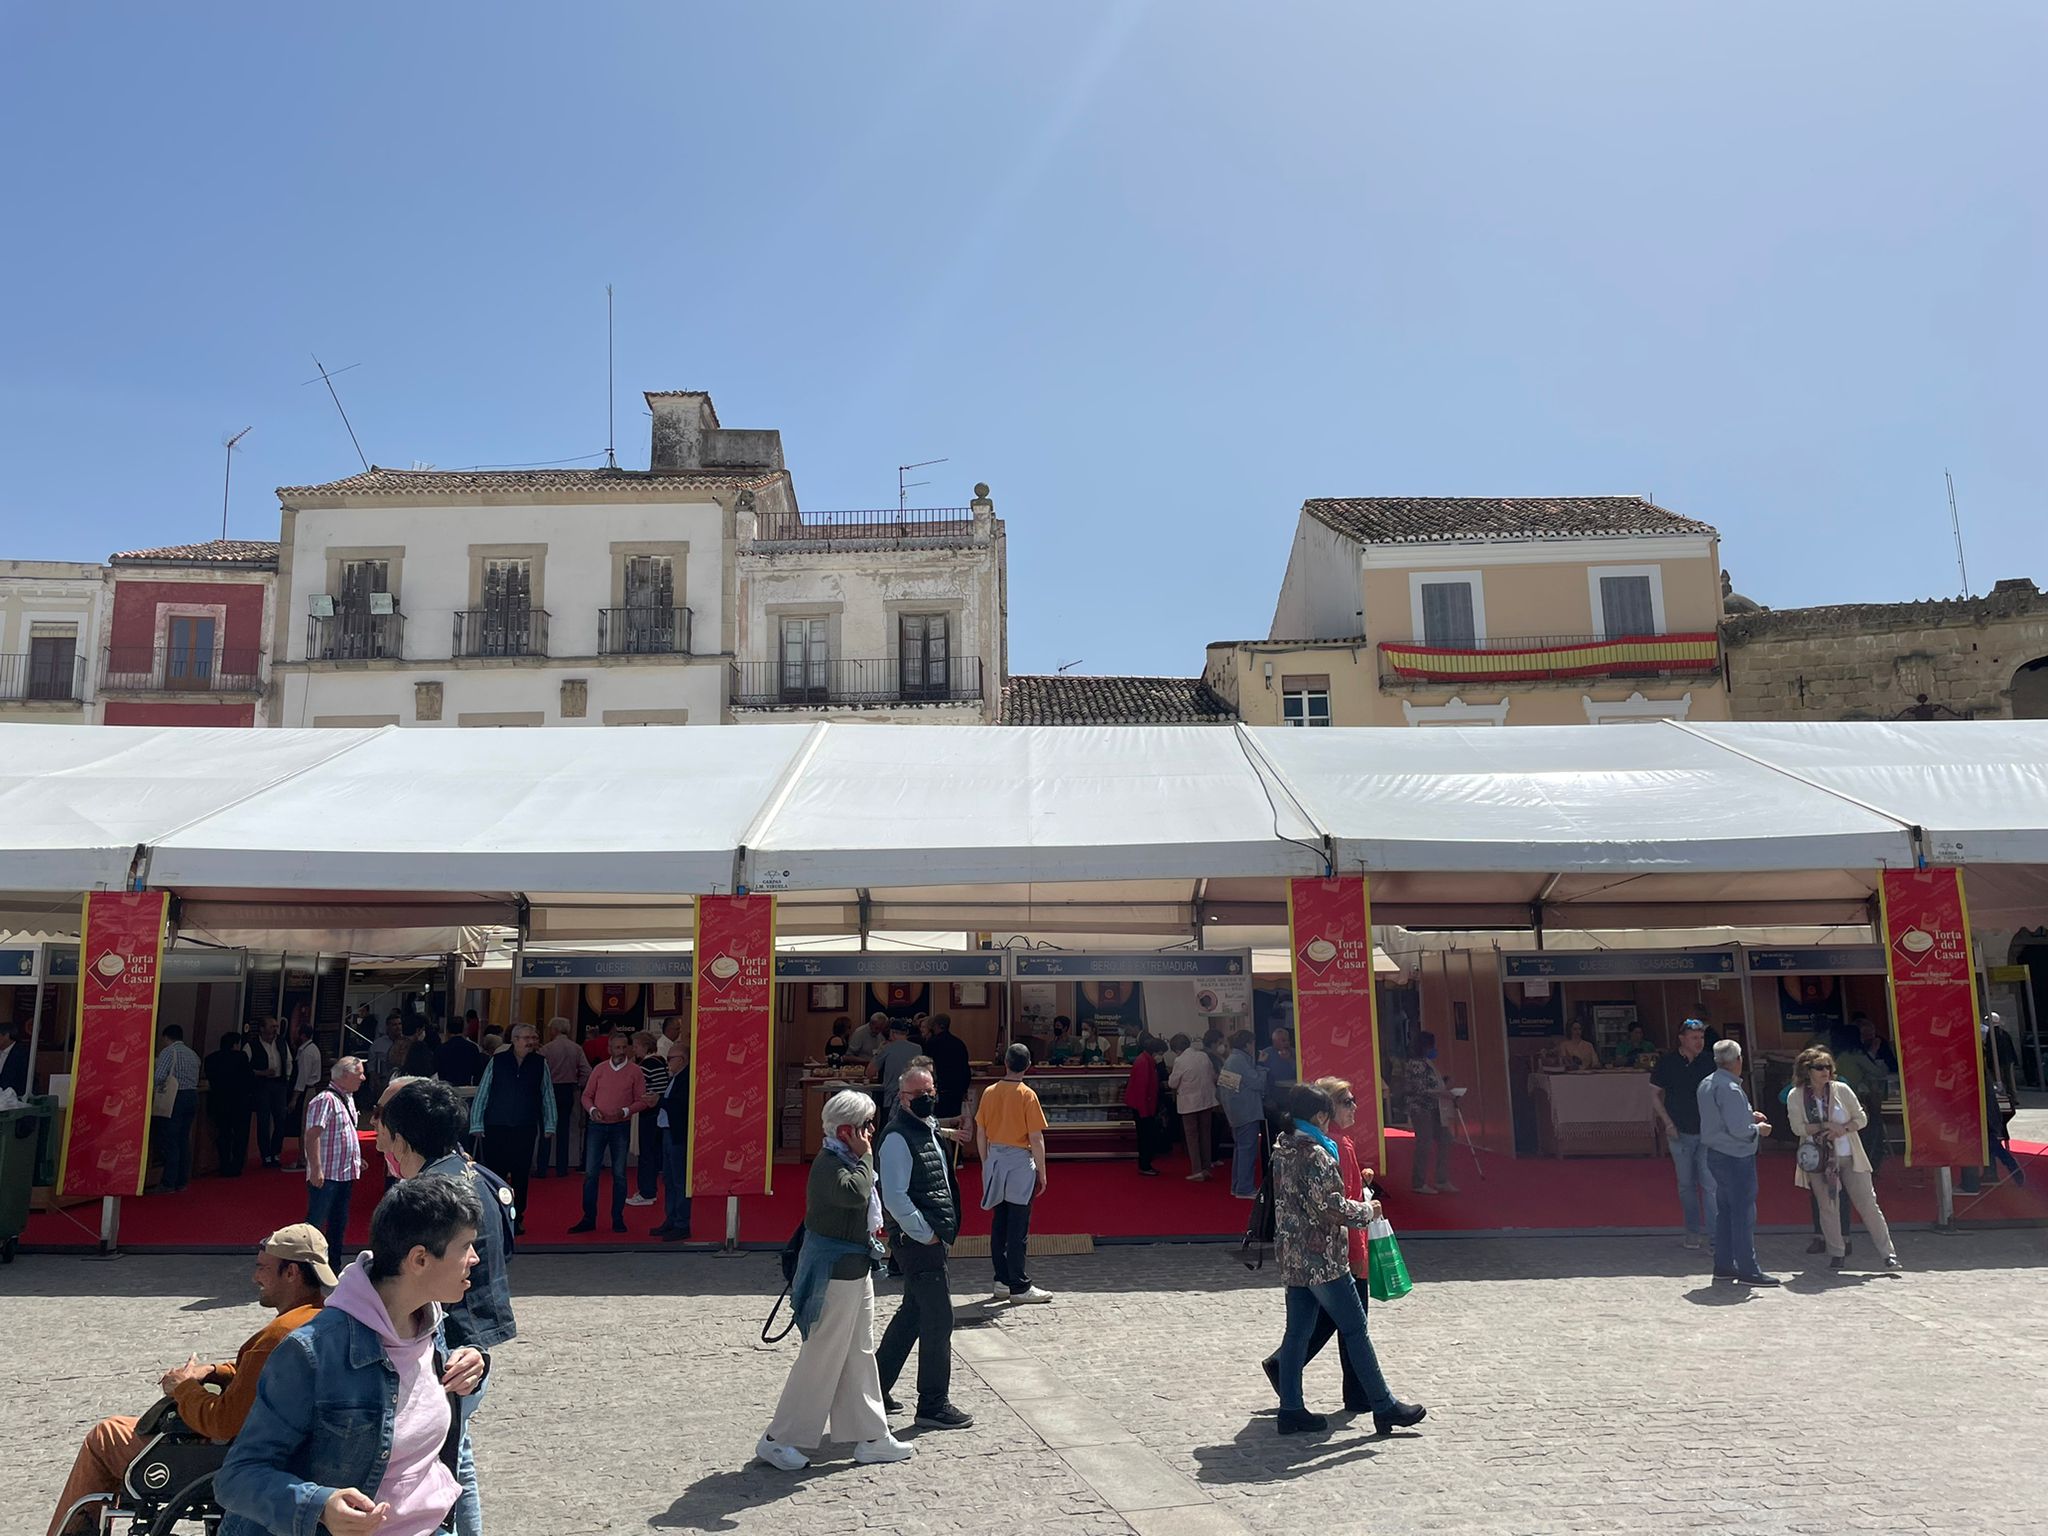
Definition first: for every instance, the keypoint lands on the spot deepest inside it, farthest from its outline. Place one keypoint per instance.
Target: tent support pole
(35, 1018)
(110, 1225)
(1944, 1200)
(732, 1223)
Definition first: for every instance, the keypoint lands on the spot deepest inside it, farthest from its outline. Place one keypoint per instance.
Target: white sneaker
(888, 1448)
(1001, 1293)
(776, 1454)
(639, 1199)
(1030, 1295)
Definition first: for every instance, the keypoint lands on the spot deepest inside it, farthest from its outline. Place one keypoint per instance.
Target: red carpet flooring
(1104, 1200)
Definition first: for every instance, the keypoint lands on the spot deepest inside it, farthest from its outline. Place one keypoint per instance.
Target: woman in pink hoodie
(356, 1422)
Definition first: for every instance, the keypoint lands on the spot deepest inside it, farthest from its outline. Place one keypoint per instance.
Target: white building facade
(896, 616)
(51, 612)
(523, 597)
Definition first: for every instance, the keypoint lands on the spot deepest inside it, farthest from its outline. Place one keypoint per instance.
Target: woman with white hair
(832, 1298)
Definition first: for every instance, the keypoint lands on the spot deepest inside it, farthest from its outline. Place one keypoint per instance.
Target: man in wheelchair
(292, 1279)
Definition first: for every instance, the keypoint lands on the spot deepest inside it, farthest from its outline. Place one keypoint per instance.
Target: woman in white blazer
(1825, 1118)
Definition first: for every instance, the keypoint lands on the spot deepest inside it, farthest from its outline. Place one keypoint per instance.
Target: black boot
(1297, 1421)
(1400, 1416)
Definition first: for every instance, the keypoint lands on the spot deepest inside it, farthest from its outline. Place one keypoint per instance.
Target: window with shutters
(1448, 612)
(1305, 700)
(360, 631)
(648, 623)
(53, 661)
(923, 655)
(188, 655)
(1628, 600)
(805, 668)
(506, 612)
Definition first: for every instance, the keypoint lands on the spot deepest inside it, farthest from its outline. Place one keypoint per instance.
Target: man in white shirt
(307, 1080)
(177, 1085)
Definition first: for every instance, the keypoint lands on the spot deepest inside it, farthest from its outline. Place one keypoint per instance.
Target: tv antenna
(328, 379)
(1955, 523)
(903, 488)
(228, 475)
(1062, 668)
(611, 458)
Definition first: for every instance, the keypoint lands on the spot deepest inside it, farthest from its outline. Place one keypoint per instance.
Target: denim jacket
(322, 1420)
(483, 1318)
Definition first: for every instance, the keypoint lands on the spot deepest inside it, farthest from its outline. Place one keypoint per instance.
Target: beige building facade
(50, 619)
(1434, 611)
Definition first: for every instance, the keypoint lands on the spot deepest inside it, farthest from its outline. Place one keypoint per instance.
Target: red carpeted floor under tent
(1105, 1200)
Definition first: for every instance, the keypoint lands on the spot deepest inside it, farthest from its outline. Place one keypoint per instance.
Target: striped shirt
(333, 1114)
(656, 1072)
(178, 1060)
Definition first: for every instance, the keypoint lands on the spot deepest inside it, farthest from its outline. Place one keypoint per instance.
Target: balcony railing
(1539, 658)
(854, 684)
(643, 631)
(141, 669)
(501, 632)
(950, 524)
(34, 677)
(355, 637)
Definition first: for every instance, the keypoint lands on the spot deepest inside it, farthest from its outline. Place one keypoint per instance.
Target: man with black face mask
(921, 1209)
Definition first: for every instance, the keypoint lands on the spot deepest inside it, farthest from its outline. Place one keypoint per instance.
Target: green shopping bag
(1386, 1272)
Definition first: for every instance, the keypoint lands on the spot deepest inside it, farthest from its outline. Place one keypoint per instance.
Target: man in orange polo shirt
(292, 1279)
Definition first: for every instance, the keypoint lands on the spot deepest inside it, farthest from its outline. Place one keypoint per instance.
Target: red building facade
(187, 634)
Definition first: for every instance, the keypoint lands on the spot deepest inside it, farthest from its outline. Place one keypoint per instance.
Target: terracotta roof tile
(398, 483)
(1439, 519)
(1070, 700)
(252, 552)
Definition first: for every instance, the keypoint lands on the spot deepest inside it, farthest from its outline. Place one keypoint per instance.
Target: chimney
(684, 422)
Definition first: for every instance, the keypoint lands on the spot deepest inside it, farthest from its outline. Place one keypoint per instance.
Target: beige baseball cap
(307, 1244)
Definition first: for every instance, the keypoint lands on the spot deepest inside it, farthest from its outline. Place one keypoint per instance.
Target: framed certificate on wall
(827, 996)
(970, 994)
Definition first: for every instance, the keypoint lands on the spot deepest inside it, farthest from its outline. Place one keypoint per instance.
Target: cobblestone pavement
(1573, 1385)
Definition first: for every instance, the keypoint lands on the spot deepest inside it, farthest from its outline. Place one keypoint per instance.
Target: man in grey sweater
(1731, 1131)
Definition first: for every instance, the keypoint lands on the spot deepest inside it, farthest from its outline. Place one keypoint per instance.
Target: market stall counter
(1594, 1114)
(1084, 1106)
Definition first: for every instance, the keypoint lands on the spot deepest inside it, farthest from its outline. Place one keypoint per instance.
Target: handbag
(1251, 1253)
(166, 1099)
(791, 1251)
(1386, 1272)
(1809, 1157)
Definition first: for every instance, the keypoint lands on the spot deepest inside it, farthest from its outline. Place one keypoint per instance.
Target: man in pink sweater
(616, 1092)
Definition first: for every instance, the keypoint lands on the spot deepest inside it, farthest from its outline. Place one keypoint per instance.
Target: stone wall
(1956, 659)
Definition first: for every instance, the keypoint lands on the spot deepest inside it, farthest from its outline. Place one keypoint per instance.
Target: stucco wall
(1319, 597)
(1884, 661)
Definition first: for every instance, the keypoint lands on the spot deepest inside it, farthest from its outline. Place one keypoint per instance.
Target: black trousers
(650, 1153)
(565, 1106)
(270, 1117)
(1009, 1237)
(1153, 1139)
(231, 1138)
(1354, 1390)
(926, 1320)
(507, 1151)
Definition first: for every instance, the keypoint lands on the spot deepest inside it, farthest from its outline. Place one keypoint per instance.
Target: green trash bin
(23, 1134)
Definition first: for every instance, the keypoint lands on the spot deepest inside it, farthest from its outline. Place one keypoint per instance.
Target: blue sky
(1156, 272)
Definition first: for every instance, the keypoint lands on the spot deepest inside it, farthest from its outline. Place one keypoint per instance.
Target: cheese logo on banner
(732, 1047)
(106, 1136)
(1934, 1004)
(1329, 924)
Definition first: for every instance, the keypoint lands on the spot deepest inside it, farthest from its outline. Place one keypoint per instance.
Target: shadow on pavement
(710, 1503)
(1261, 1454)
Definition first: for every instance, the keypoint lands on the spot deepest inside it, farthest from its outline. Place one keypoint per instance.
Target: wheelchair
(169, 1487)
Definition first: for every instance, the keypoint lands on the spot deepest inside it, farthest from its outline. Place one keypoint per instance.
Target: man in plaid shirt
(334, 1158)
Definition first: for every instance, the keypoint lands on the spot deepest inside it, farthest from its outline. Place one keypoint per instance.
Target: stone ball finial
(981, 491)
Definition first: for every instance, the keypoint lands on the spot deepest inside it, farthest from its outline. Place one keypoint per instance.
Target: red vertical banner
(1934, 1005)
(105, 1150)
(1336, 1026)
(732, 1047)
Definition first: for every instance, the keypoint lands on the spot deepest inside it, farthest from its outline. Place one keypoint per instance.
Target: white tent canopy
(594, 834)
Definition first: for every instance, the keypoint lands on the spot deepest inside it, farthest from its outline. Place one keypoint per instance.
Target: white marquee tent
(593, 834)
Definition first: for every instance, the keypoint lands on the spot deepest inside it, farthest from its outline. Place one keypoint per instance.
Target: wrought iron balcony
(501, 632)
(950, 525)
(643, 631)
(142, 669)
(355, 637)
(1545, 658)
(854, 684)
(35, 677)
